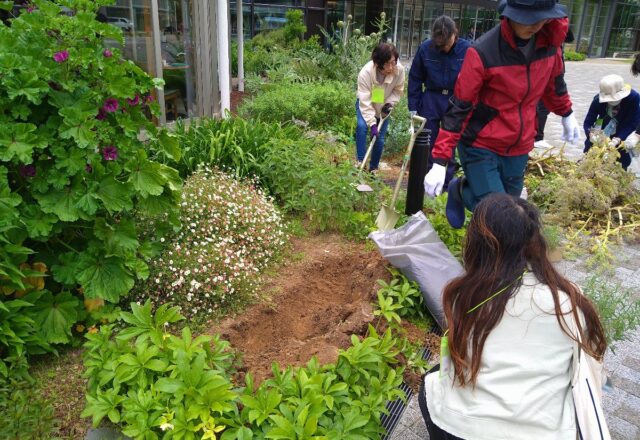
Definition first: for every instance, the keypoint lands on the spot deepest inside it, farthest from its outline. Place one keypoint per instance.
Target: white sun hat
(613, 88)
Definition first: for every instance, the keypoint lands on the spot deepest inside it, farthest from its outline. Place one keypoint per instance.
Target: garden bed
(317, 300)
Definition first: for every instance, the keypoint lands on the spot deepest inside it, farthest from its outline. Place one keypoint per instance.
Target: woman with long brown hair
(513, 321)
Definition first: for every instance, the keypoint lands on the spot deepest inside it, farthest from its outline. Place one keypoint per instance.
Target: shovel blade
(387, 219)
(363, 187)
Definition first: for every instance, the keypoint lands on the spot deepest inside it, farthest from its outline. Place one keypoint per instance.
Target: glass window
(134, 18)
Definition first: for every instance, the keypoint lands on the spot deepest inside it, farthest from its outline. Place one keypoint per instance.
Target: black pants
(435, 432)
(541, 113)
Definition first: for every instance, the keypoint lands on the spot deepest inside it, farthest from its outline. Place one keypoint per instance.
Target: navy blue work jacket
(433, 76)
(628, 116)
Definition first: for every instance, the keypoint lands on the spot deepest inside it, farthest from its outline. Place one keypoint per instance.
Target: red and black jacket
(495, 98)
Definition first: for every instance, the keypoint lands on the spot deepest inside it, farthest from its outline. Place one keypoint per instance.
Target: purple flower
(110, 153)
(110, 105)
(101, 116)
(27, 171)
(31, 8)
(61, 57)
(149, 99)
(107, 53)
(133, 101)
(88, 168)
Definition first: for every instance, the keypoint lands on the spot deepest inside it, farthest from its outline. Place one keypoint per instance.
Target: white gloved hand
(434, 180)
(593, 138)
(412, 113)
(570, 129)
(614, 142)
(632, 140)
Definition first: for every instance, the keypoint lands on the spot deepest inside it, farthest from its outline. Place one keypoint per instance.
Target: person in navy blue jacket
(432, 78)
(618, 106)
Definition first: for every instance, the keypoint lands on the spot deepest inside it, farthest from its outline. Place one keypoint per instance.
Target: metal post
(239, 13)
(596, 16)
(157, 49)
(223, 57)
(606, 36)
(188, 58)
(134, 43)
(585, 6)
(395, 24)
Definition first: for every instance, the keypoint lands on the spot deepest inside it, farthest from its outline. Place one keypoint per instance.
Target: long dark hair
(503, 240)
(443, 28)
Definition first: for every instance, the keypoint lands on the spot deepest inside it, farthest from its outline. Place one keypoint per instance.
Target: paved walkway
(622, 404)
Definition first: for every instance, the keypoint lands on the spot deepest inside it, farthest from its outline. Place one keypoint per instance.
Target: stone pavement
(622, 404)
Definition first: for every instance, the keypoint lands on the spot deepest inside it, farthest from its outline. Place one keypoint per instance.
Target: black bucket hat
(531, 11)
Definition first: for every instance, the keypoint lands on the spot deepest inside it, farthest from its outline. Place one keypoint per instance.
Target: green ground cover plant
(25, 414)
(231, 233)
(154, 384)
(321, 105)
(618, 307)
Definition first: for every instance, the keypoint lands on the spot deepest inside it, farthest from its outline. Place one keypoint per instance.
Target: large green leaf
(116, 196)
(19, 140)
(61, 203)
(37, 223)
(8, 200)
(26, 84)
(104, 277)
(119, 237)
(54, 315)
(148, 179)
(67, 269)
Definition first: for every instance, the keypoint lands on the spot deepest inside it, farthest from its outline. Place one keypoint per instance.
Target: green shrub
(25, 415)
(153, 384)
(400, 298)
(294, 29)
(452, 238)
(72, 166)
(150, 382)
(319, 105)
(570, 55)
(233, 144)
(397, 139)
(231, 233)
(618, 307)
(299, 175)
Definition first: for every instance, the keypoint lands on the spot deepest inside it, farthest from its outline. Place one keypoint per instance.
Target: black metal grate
(397, 407)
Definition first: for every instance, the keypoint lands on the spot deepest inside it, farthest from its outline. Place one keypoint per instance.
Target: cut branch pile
(593, 200)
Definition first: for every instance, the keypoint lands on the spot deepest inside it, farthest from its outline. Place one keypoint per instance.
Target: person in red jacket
(491, 116)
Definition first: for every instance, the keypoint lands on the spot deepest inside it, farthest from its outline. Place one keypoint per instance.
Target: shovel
(388, 217)
(363, 187)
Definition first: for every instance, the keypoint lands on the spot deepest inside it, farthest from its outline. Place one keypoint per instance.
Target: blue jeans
(362, 143)
(487, 172)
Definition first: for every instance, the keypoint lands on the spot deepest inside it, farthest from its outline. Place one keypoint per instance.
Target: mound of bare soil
(317, 303)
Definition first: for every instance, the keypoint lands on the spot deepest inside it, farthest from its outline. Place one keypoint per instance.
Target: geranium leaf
(8, 200)
(61, 203)
(104, 277)
(37, 223)
(54, 315)
(115, 195)
(118, 237)
(148, 179)
(19, 140)
(66, 272)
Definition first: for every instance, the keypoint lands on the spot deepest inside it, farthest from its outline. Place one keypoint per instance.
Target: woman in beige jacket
(380, 86)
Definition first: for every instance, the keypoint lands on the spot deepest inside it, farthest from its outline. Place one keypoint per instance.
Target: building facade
(603, 28)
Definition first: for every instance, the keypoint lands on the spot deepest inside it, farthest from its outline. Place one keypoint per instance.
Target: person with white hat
(616, 111)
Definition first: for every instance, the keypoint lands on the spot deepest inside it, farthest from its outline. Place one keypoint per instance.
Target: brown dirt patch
(318, 303)
(61, 381)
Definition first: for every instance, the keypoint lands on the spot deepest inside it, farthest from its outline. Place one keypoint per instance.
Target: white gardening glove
(412, 113)
(632, 140)
(614, 142)
(570, 129)
(434, 180)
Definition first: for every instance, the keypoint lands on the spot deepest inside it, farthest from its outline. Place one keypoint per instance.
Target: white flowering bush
(231, 230)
